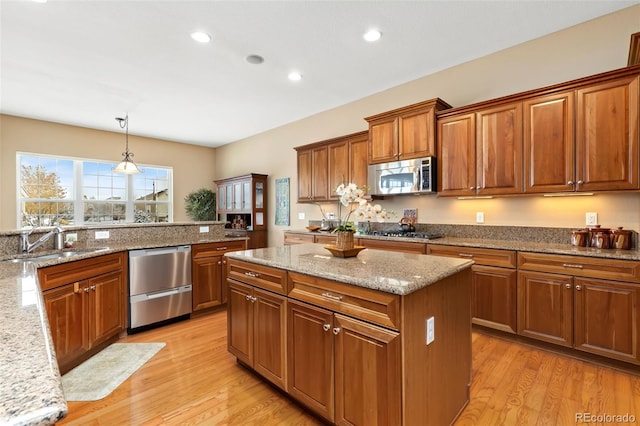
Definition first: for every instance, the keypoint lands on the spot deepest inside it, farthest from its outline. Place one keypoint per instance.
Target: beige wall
(595, 46)
(192, 165)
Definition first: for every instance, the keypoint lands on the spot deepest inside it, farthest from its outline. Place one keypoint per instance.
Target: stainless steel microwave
(415, 176)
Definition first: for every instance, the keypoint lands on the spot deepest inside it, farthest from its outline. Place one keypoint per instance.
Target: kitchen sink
(57, 255)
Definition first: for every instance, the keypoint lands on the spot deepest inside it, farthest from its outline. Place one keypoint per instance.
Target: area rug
(101, 374)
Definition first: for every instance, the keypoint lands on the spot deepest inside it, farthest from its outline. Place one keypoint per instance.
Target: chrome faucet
(27, 247)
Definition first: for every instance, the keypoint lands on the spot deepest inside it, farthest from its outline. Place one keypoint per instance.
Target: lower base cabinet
(209, 272)
(578, 308)
(256, 330)
(347, 371)
(85, 305)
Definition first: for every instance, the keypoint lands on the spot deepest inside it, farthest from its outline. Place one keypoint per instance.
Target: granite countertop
(529, 246)
(391, 272)
(31, 391)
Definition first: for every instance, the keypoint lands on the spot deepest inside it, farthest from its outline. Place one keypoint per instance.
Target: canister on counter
(580, 237)
(620, 239)
(600, 237)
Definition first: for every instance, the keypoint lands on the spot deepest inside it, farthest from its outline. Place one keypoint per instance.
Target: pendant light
(126, 165)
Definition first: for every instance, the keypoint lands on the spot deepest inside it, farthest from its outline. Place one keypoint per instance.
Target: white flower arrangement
(352, 196)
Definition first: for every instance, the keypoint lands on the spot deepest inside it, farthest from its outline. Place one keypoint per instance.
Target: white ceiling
(86, 62)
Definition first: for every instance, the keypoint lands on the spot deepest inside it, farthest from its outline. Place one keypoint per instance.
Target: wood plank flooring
(193, 380)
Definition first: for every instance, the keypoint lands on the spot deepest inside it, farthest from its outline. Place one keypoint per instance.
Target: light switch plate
(479, 217)
(431, 330)
(301, 215)
(591, 218)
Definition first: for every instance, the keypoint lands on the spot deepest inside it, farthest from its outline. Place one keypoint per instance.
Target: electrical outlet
(431, 330)
(204, 229)
(301, 216)
(479, 217)
(591, 218)
(102, 235)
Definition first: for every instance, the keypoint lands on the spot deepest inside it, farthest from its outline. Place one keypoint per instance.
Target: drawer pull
(336, 330)
(332, 297)
(221, 248)
(252, 274)
(465, 255)
(326, 327)
(572, 265)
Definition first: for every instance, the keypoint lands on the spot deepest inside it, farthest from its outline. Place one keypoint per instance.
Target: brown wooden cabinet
(565, 300)
(322, 166)
(549, 143)
(242, 203)
(257, 330)
(580, 135)
(85, 304)
(481, 153)
(607, 135)
(404, 133)
(493, 284)
(209, 272)
(322, 347)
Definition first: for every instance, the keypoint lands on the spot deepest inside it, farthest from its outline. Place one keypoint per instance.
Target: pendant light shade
(127, 165)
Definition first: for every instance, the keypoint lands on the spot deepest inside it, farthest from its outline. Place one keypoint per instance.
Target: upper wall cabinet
(576, 136)
(323, 166)
(404, 133)
(480, 153)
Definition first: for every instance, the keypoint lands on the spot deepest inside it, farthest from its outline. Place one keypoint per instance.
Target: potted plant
(200, 205)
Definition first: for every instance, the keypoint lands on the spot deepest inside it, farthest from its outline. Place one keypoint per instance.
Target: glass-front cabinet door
(246, 196)
(237, 196)
(229, 197)
(259, 195)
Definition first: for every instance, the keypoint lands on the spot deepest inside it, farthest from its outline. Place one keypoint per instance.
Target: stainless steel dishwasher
(159, 285)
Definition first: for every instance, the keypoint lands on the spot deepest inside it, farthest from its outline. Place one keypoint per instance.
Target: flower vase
(344, 240)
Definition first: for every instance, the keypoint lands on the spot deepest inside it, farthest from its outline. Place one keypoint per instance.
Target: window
(63, 191)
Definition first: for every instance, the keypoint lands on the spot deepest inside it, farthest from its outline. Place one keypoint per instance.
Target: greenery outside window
(66, 191)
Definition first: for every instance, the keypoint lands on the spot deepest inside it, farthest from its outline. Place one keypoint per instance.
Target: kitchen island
(347, 338)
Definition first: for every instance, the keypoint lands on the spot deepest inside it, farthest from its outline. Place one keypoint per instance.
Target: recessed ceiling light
(295, 76)
(201, 37)
(372, 35)
(39, 1)
(254, 59)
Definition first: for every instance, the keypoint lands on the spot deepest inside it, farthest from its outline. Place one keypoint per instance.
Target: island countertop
(391, 272)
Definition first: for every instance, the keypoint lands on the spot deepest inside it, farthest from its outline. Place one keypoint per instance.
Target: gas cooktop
(423, 235)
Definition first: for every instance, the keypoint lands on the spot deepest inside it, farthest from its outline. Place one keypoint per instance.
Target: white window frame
(76, 197)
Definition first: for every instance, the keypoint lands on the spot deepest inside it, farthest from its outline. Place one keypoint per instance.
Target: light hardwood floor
(193, 380)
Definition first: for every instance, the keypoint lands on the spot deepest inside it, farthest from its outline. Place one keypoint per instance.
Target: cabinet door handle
(568, 286)
(76, 288)
(580, 182)
(465, 255)
(93, 287)
(578, 287)
(221, 248)
(224, 262)
(86, 289)
(331, 296)
(326, 327)
(336, 330)
(252, 274)
(472, 188)
(219, 262)
(247, 297)
(570, 183)
(572, 265)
